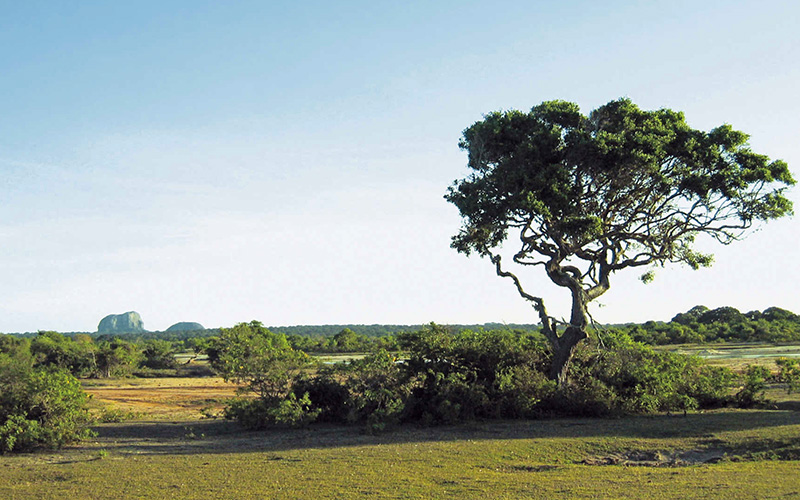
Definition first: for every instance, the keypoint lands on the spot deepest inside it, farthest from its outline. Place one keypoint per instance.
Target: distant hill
(185, 326)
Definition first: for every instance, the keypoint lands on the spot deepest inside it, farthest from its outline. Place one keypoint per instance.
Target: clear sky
(221, 162)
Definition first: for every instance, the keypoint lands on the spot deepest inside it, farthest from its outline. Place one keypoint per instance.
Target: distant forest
(695, 326)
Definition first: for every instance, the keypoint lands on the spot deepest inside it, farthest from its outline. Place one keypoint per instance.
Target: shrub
(39, 407)
(56, 350)
(327, 395)
(630, 377)
(450, 378)
(115, 415)
(789, 373)
(117, 358)
(257, 414)
(377, 393)
(159, 354)
(520, 391)
(469, 375)
(249, 413)
(755, 383)
(265, 362)
(294, 412)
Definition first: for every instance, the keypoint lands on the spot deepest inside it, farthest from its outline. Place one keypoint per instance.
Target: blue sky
(285, 161)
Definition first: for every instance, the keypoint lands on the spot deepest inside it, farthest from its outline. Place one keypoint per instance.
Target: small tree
(117, 358)
(159, 354)
(588, 196)
(251, 354)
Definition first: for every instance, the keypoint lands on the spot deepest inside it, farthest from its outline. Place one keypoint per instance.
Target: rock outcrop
(185, 326)
(129, 322)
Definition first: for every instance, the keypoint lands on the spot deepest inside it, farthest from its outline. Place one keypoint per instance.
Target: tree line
(87, 357)
(701, 325)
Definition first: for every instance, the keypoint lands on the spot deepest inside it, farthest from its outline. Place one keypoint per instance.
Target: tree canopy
(591, 195)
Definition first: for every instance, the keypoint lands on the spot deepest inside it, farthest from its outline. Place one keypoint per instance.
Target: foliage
(249, 353)
(260, 414)
(264, 361)
(588, 196)
(78, 356)
(789, 373)
(755, 383)
(629, 377)
(159, 354)
(377, 393)
(328, 395)
(117, 358)
(39, 407)
(449, 378)
(250, 413)
(295, 412)
(725, 324)
(471, 374)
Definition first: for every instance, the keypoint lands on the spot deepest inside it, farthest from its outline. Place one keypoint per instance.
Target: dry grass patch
(162, 398)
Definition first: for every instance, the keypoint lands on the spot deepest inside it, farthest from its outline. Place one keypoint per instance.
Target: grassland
(170, 452)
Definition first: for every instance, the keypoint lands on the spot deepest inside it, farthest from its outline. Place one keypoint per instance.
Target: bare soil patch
(659, 458)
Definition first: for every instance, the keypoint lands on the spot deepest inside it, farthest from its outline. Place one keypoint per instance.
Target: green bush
(294, 412)
(249, 413)
(265, 362)
(159, 354)
(789, 373)
(327, 395)
(39, 407)
(249, 353)
(469, 375)
(520, 391)
(754, 384)
(377, 393)
(53, 349)
(630, 377)
(257, 414)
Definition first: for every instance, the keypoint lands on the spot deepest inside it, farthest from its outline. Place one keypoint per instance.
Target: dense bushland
(87, 357)
(444, 377)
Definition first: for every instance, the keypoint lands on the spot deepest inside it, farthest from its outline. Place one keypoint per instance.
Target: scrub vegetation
(568, 409)
(164, 437)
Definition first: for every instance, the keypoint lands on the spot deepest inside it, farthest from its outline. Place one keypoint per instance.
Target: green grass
(532, 459)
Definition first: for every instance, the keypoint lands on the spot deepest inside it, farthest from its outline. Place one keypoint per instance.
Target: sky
(221, 162)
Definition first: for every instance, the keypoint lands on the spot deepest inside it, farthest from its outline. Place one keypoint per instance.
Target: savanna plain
(160, 440)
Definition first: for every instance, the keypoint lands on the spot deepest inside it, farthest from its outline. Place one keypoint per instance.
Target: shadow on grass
(217, 436)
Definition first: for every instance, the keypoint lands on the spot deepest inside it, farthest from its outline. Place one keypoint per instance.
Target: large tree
(587, 196)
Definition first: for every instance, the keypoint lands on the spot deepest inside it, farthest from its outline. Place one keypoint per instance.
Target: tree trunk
(565, 345)
(562, 353)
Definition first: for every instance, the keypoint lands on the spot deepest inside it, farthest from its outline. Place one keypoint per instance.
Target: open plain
(167, 449)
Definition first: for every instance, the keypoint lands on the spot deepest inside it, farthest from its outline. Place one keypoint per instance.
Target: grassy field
(168, 451)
